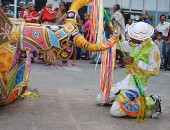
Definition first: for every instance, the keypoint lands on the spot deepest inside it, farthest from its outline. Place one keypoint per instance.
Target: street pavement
(68, 101)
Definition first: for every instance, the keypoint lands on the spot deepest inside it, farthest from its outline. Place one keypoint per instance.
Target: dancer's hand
(128, 59)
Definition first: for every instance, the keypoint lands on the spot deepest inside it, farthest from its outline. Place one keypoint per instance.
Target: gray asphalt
(67, 102)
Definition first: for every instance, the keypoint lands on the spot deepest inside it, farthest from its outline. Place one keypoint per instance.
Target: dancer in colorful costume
(145, 62)
(23, 11)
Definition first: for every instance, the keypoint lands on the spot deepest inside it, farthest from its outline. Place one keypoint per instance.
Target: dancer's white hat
(140, 31)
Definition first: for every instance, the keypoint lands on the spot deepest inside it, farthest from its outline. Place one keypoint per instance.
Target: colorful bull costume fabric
(18, 39)
(14, 67)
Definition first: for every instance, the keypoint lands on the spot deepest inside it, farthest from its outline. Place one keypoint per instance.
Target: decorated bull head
(56, 41)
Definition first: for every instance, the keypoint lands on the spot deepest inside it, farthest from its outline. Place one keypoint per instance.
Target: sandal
(74, 64)
(86, 58)
(47, 64)
(62, 64)
(40, 62)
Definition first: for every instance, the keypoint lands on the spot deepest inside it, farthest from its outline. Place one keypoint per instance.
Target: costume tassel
(108, 57)
(107, 71)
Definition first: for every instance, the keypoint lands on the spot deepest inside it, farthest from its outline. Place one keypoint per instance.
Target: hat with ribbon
(140, 31)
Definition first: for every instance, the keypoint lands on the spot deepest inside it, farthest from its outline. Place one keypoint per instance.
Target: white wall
(137, 4)
(163, 5)
(125, 4)
(150, 5)
(109, 3)
(55, 3)
(67, 0)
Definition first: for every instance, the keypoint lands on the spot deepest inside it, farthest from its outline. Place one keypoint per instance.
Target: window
(10, 1)
(26, 1)
(14, 5)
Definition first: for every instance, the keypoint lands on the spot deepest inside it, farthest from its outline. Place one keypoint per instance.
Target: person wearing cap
(5, 8)
(145, 60)
(47, 15)
(23, 9)
(31, 16)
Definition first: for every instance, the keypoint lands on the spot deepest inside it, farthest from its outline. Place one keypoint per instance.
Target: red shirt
(32, 17)
(48, 15)
(22, 13)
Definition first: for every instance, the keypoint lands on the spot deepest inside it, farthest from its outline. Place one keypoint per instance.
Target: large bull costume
(18, 37)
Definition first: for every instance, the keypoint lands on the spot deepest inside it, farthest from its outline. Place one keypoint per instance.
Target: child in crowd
(159, 43)
(87, 32)
(32, 15)
(23, 11)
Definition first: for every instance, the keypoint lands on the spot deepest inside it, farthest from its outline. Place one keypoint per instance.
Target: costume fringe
(29, 93)
(107, 71)
(108, 56)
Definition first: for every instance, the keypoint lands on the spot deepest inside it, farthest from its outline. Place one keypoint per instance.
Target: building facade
(14, 5)
(131, 8)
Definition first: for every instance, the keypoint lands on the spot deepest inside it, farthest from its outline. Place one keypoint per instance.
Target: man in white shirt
(164, 28)
(118, 18)
(119, 22)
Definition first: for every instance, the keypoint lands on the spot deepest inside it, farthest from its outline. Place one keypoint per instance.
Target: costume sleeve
(152, 68)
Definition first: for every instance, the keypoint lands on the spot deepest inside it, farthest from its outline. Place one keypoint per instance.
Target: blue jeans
(166, 54)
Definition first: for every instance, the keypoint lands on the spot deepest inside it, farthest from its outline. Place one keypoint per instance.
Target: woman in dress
(60, 19)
